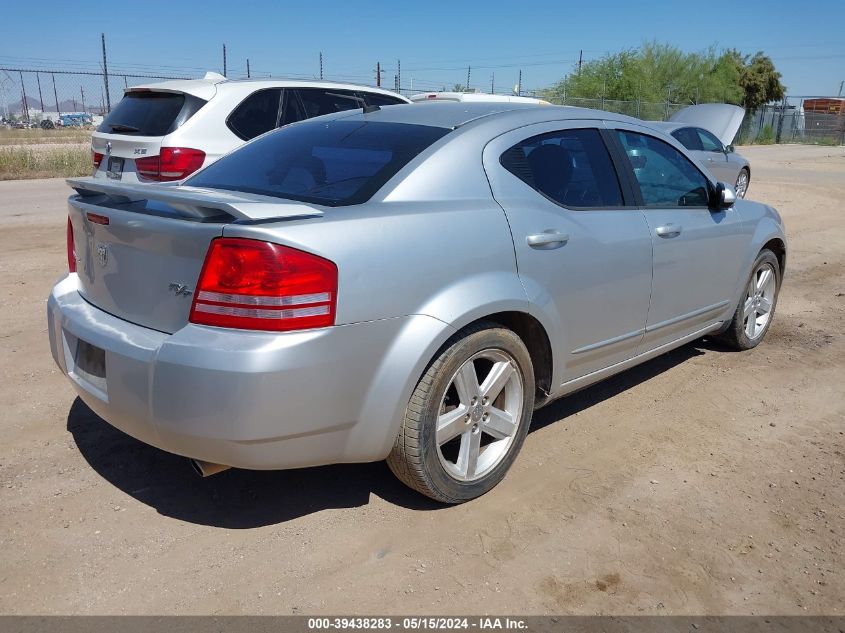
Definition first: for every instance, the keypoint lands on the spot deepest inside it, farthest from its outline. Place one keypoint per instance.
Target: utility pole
(378, 74)
(519, 84)
(247, 70)
(580, 60)
(469, 70)
(56, 95)
(398, 76)
(321, 64)
(841, 84)
(40, 97)
(492, 82)
(23, 92)
(82, 93)
(105, 74)
(224, 60)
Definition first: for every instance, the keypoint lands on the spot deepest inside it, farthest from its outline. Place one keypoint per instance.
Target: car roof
(455, 114)
(208, 86)
(474, 97)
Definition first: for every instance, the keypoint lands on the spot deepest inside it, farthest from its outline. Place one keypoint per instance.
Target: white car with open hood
(708, 130)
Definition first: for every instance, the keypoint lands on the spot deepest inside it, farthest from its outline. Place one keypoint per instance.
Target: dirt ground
(703, 482)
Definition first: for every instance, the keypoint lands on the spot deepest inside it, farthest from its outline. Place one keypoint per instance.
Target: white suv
(166, 131)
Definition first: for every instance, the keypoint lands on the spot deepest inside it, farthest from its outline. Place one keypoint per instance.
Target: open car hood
(722, 119)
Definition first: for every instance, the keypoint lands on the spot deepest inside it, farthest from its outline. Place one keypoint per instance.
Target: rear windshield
(150, 113)
(335, 163)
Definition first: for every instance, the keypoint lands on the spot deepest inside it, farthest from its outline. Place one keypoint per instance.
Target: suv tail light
(96, 158)
(71, 248)
(173, 163)
(254, 285)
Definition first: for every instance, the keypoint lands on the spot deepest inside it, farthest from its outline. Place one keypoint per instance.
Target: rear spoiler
(197, 203)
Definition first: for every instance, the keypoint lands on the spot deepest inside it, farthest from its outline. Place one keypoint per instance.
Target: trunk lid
(721, 119)
(140, 250)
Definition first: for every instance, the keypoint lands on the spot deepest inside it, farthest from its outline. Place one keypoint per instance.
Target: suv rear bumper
(247, 399)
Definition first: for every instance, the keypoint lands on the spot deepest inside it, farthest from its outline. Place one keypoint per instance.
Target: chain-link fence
(47, 98)
(818, 120)
(63, 98)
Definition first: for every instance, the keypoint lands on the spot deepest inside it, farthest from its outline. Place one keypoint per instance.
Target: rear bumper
(246, 399)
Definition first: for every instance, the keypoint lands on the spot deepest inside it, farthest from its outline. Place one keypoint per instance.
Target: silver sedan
(404, 283)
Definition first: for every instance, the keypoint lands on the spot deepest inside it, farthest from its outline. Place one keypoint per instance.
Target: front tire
(755, 311)
(743, 179)
(468, 416)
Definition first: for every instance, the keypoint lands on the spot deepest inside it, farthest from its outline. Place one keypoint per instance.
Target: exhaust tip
(207, 469)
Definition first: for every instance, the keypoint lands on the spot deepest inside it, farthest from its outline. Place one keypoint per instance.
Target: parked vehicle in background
(408, 283)
(708, 131)
(76, 119)
(473, 97)
(166, 131)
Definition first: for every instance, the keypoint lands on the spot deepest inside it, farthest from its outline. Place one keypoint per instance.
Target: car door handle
(670, 230)
(547, 240)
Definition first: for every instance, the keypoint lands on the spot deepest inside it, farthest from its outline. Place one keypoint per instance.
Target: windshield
(336, 163)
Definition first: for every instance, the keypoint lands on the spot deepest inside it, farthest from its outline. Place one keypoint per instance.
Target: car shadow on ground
(242, 499)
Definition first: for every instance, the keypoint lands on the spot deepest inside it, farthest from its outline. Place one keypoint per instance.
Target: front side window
(333, 163)
(570, 167)
(256, 114)
(709, 142)
(666, 177)
(688, 138)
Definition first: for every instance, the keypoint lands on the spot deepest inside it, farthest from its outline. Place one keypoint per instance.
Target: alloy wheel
(479, 415)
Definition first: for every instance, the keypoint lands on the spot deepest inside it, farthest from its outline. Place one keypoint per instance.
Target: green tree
(758, 78)
(656, 72)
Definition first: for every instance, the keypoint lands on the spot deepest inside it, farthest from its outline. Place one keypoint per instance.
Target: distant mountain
(68, 105)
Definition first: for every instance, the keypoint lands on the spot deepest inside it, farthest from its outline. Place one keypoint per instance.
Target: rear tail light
(71, 248)
(173, 163)
(96, 158)
(254, 285)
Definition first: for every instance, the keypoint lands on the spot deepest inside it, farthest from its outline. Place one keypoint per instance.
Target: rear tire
(468, 416)
(756, 309)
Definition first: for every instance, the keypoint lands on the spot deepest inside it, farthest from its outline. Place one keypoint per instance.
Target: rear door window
(570, 167)
(666, 177)
(319, 101)
(257, 114)
(150, 113)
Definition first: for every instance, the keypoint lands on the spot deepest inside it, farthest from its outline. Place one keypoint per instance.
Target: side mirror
(725, 196)
(730, 149)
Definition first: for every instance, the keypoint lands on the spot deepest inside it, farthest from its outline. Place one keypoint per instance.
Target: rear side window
(150, 113)
(570, 167)
(666, 177)
(381, 100)
(256, 114)
(319, 101)
(331, 163)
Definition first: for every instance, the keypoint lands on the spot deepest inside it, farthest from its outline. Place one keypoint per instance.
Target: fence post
(780, 121)
(23, 92)
(106, 74)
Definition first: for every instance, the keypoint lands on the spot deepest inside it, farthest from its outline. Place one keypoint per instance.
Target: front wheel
(754, 313)
(742, 182)
(468, 416)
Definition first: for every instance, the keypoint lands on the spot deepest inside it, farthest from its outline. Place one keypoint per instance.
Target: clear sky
(434, 40)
